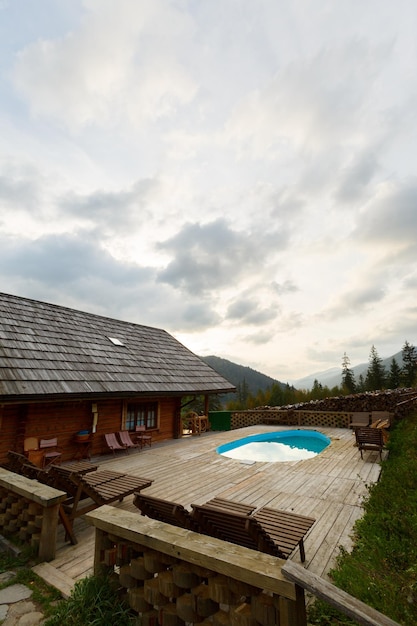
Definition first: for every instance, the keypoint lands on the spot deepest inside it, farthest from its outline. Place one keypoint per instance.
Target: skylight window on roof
(116, 341)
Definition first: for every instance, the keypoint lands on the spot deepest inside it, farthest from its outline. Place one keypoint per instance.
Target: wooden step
(55, 578)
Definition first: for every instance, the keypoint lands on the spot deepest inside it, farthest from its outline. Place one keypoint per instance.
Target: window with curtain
(141, 414)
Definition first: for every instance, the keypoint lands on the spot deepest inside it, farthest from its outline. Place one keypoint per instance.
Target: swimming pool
(287, 445)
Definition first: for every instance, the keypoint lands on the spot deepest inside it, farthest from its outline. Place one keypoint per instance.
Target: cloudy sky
(241, 173)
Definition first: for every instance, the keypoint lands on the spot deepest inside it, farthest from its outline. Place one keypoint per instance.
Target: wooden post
(101, 543)
(206, 405)
(293, 612)
(47, 544)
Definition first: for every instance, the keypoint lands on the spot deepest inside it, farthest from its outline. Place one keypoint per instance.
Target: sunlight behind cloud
(240, 174)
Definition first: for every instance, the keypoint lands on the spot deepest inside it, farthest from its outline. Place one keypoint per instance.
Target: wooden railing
(29, 512)
(173, 575)
(347, 604)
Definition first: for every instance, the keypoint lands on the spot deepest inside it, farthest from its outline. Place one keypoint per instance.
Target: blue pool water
(287, 445)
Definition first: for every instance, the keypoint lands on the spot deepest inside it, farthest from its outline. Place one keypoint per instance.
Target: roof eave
(58, 397)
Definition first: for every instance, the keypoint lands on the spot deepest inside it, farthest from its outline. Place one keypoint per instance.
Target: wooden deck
(329, 487)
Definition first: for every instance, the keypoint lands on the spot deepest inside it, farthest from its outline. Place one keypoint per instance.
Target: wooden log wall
(174, 576)
(58, 419)
(66, 418)
(368, 401)
(8, 430)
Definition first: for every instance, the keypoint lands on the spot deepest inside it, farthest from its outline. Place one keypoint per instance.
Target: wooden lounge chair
(242, 530)
(370, 439)
(165, 511)
(87, 491)
(359, 419)
(231, 505)
(15, 460)
(286, 529)
(20, 464)
(267, 530)
(113, 444)
(126, 441)
(142, 437)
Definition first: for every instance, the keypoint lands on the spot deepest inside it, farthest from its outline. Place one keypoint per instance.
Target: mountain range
(255, 381)
(333, 376)
(237, 374)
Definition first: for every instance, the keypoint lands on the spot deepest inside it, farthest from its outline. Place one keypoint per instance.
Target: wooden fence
(330, 412)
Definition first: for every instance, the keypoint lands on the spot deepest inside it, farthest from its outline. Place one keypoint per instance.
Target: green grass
(43, 595)
(94, 601)
(381, 570)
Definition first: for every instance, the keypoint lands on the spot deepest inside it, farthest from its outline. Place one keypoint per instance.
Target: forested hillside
(255, 389)
(240, 375)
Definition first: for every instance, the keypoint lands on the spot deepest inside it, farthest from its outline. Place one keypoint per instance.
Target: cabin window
(141, 414)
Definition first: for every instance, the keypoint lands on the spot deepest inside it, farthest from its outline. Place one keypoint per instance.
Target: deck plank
(329, 487)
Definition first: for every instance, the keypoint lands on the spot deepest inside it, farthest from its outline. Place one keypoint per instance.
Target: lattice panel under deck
(165, 591)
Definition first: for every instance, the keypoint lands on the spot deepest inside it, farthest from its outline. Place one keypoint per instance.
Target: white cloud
(123, 61)
(241, 174)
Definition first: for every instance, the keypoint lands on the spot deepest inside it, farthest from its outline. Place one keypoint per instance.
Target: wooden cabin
(63, 371)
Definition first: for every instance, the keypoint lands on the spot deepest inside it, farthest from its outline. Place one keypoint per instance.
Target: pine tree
(376, 374)
(317, 390)
(348, 377)
(277, 395)
(394, 376)
(361, 387)
(409, 368)
(242, 394)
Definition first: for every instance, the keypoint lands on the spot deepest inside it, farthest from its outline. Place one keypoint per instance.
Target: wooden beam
(347, 604)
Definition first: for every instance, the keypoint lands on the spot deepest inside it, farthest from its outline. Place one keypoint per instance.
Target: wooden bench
(359, 419)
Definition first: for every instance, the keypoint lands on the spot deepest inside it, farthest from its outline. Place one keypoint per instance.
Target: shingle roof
(49, 350)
